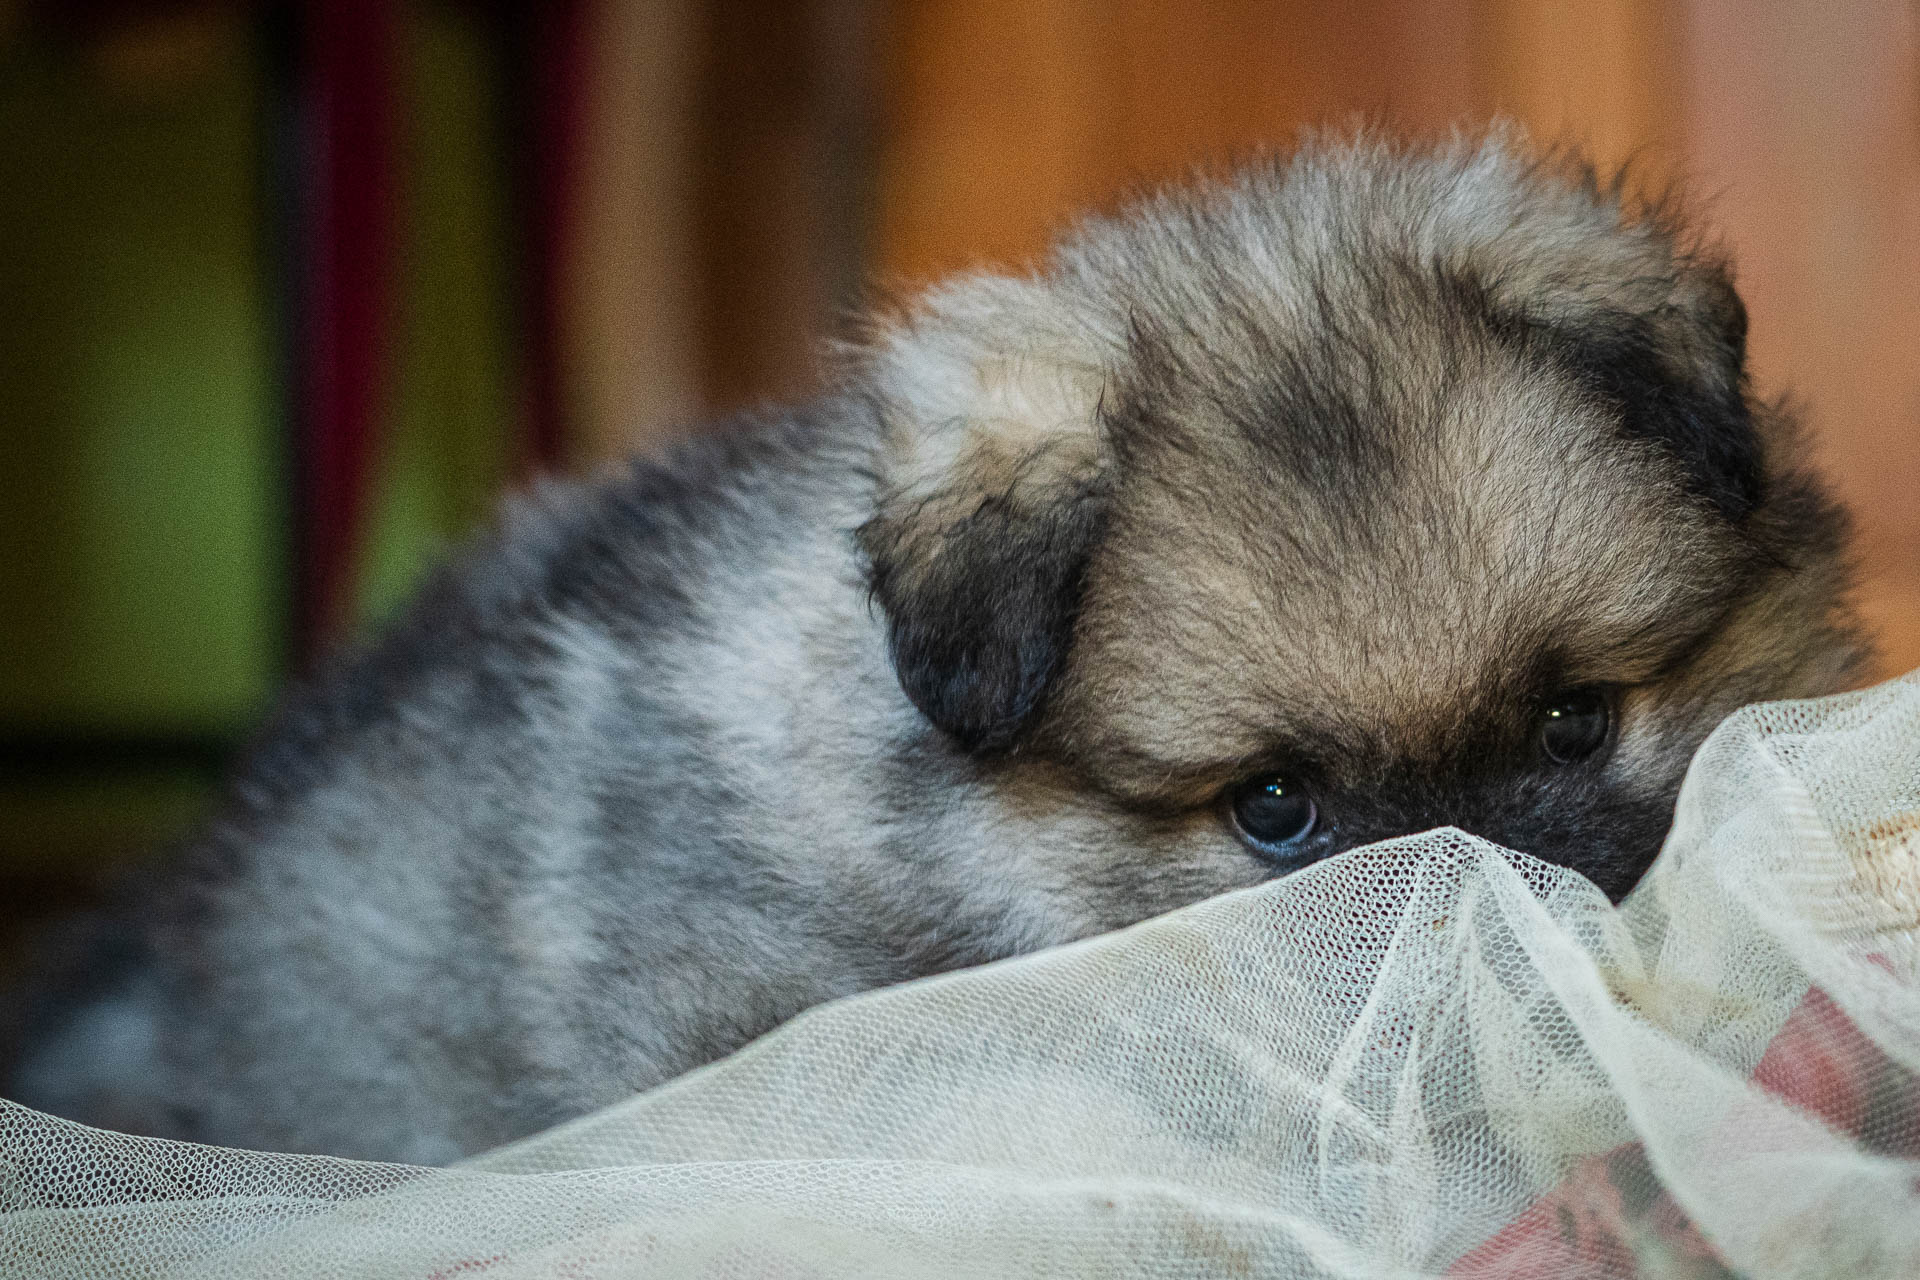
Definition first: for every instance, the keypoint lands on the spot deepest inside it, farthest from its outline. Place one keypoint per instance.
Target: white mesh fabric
(1426, 1057)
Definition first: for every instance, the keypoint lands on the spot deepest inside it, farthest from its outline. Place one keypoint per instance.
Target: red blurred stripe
(348, 86)
(557, 103)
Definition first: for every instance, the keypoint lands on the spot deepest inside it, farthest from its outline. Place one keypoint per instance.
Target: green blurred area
(137, 468)
(451, 427)
(144, 513)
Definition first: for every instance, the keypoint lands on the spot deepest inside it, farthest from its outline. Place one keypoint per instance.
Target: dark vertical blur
(345, 81)
(783, 157)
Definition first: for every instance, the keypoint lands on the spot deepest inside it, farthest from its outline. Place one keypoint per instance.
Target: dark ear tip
(953, 690)
(972, 725)
(981, 679)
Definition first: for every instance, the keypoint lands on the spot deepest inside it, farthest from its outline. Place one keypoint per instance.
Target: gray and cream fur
(1341, 470)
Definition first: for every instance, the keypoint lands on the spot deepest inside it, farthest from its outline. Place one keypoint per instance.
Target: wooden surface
(1797, 125)
(1804, 125)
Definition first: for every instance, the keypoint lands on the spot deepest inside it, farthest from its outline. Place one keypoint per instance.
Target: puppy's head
(1373, 492)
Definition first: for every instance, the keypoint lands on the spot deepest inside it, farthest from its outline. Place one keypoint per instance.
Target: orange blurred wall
(1797, 125)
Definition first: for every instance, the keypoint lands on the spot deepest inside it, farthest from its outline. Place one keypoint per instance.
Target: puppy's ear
(993, 493)
(1677, 375)
(1656, 331)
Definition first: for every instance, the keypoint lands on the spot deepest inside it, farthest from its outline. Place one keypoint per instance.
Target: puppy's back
(407, 869)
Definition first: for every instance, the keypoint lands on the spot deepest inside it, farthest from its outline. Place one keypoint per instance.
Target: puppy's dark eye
(1273, 815)
(1574, 725)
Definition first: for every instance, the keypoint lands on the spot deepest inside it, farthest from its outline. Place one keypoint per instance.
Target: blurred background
(290, 292)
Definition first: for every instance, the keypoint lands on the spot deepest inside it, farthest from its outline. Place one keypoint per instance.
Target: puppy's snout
(1609, 839)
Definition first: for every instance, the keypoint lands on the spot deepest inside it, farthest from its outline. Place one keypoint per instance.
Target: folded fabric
(1426, 1057)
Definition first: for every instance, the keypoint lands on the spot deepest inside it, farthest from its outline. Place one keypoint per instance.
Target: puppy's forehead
(1372, 541)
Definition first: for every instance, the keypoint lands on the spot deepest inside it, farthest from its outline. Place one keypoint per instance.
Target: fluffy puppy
(1357, 494)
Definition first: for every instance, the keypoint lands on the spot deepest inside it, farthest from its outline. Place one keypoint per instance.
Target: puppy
(1355, 495)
